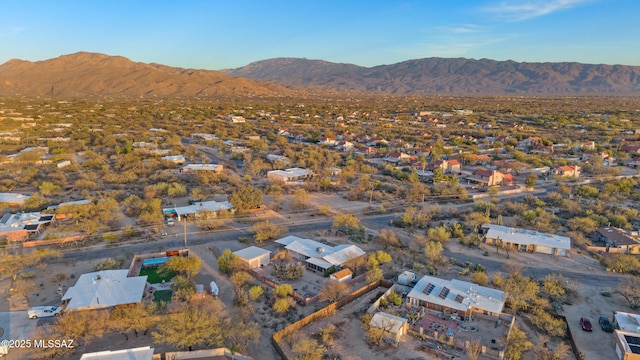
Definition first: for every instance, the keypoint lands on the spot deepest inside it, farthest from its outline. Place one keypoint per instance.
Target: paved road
(572, 270)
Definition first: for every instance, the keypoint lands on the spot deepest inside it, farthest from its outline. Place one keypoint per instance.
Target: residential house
(104, 289)
(289, 176)
(176, 159)
(204, 209)
(526, 240)
(630, 149)
(397, 158)
(322, 257)
(345, 146)
(626, 335)
(328, 142)
(587, 145)
(13, 199)
(566, 171)
(393, 327)
(447, 166)
(486, 177)
(141, 353)
(618, 238)
(18, 227)
(202, 167)
(541, 149)
(254, 256)
(455, 297)
(235, 119)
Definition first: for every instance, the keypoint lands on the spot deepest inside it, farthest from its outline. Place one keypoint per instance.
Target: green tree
(195, 324)
(629, 289)
(282, 305)
(255, 292)
(347, 223)
(48, 188)
(184, 265)
(283, 290)
(440, 234)
(266, 230)
(228, 262)
(246, 198)
(433, 253)
(530, 182)
(517, 344)
(307, 349)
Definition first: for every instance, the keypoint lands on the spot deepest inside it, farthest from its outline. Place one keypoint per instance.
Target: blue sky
(218, 34)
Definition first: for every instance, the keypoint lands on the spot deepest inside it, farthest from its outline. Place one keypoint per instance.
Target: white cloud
(528, 9)
(11, 32)
(463, 29)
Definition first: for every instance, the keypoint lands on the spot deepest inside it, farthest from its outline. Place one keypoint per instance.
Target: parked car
(605, 324)
(43, 311)
(586, 324)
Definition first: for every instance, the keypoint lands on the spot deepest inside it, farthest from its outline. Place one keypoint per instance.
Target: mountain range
(90, 74)
(449, 76)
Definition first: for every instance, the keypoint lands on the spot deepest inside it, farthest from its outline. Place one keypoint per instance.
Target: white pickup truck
(43, 311)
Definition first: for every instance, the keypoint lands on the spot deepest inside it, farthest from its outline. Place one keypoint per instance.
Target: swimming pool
(155, 261)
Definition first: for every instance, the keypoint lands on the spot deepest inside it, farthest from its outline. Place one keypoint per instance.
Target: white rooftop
(77, 202)
(321, 254)
(627, 321)
(105, 288)
(251, 252)
(207, 167)
(13, 198)
(12, 222)
(469, 295)
(203, 206)
(290, 173)
(383, 320)
(141, 353)
(527, 237)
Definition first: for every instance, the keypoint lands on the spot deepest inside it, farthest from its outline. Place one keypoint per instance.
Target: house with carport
(519, 239)
(321, 257)
(456, 298)
(254, 256)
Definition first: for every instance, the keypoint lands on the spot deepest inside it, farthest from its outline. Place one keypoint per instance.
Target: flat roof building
(455, 297)
(527, 240)
(103, 289)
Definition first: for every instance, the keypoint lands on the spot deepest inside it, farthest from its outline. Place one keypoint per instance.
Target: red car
(586, 324)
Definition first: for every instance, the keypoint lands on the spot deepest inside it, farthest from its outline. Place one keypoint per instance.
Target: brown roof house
(618, 238)
(566, 171)
(487, 177)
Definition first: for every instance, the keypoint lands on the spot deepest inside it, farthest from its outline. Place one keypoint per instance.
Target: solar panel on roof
(634, 343)
(444, 292)
(429, 288)
(459, 298)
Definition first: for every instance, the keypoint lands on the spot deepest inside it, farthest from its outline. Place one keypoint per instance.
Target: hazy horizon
(219, 35)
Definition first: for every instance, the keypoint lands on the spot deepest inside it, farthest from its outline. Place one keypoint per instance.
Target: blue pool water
(156, 261)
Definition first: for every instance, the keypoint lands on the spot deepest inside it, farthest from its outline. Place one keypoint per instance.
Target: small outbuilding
(254, 256)
(394, 327)
(342, 275)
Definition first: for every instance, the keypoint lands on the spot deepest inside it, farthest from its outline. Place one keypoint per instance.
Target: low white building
(455, 297)
(289, 175)
(254, 256)
(13, 198)
(392, 326)
(141, 353)
(203, 167)
(527, 240)
(197, 209)
(318, 256)
(176, 159)
(104, 289)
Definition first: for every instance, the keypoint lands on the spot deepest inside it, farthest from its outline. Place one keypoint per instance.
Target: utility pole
(184, 221)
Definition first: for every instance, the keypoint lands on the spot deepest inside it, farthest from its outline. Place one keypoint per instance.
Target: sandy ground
(596, 345)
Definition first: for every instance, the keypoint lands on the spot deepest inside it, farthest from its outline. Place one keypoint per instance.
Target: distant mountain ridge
(449, 76)
(90, 74)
